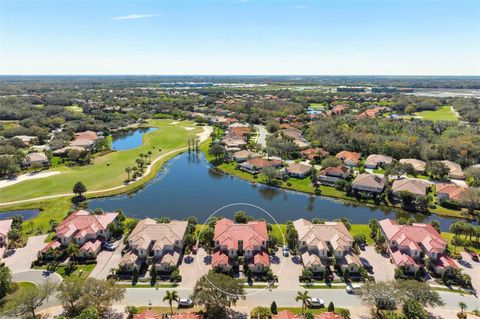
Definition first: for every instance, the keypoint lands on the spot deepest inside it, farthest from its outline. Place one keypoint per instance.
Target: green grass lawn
(74, 108)
(82, 271)
(358, 229)
(6, 304)
(298, 310)
(317, 106)
(443, 113)
(106, 171)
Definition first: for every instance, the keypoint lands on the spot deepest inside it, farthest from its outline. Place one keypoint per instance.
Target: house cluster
(157, 244)
(408, 245)
(318, 243)
(82, 141)
(88, 231)
(236, 137)
(232, 240)
(287, 314)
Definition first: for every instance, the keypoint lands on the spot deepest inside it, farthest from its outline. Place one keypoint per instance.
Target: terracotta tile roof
(219, 258)
(311, 153)
(81, 222)
(263, 162)
(328, 315)
(53, 245)
(453, 191)
(334, 171)
(443, 261)
(261, 258)
(412, 235)
(285, 314)
(87, 135)
(413, 186)
(349, 156)
(228, 233)
(401, 259)
(91, 245)
(187, 315)
(148, 314)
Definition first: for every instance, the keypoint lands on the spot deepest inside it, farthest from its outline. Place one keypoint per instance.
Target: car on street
(366, 264)
(185, 302)
(353, 289)
(314, 302)
(285, 251)
(474, 255)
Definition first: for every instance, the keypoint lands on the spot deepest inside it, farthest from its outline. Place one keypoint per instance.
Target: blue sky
(240, 37)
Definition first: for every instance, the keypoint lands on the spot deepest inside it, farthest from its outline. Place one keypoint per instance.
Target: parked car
(313, 302)
(109, 246)
(194, 249)
(366, 264)
(285, 251)
(474, 255)
(353, 289)
(362, 246)
(185, 302)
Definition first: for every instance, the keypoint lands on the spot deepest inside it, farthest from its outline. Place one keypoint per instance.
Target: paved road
(202, 137)
(36, 276)
(262, 135)
(21, 259)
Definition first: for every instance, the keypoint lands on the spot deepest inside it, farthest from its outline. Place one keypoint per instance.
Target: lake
(128, 139)
(27, 214)
(187, 185)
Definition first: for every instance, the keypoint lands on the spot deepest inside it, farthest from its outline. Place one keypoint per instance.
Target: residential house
(418, 165)
(27, 140)
(254, 165)
(316, 241)
(186, 315)
(236, 138)
(449, 191)
(84, 139)
(148, 314)
(372, 112)
(331, 175)
(84, 229)
(36, 159)
(5, 226)
(244, 155)
(339, 109)
(374, 161)
(298, 170)
(369, 183)
(314, 153)
(455, 170)
(163, 242)
(413, 186)
(248, 240)
(408, 244)
(297, 136)
(350, 159)
(64, 150)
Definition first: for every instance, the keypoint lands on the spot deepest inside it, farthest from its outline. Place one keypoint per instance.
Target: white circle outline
(268, 286)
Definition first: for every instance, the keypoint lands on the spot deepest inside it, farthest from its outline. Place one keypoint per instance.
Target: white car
(353, 289)
(185, 302)
(313, 302)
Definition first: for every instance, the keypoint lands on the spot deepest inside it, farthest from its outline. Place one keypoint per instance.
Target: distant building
(36, 159)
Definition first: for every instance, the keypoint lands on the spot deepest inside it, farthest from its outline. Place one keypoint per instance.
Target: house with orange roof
(187, 315)
(314, 153)
(339, 109)
(5, 226)
(255, 165)
(84, 139)
(248, 240)
(408, 244)
(351, 159)
(449, 191)
(317, 241)
(151, 242)
(84, 229)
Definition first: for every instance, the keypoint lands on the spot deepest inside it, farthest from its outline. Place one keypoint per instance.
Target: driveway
(472, 268)
(262, 135)
(21, 259)
(288, 269)
(383, 269)
(107, 260)
(37, 276)
(193, 267)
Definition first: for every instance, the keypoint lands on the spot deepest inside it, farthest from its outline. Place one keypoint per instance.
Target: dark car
(366, 264)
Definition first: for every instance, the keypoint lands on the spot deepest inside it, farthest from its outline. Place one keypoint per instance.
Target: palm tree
(72, 251)
(171, 296)
(302, 296)
(55, 254)
(149, 156)
(463, 306)
(128, 170)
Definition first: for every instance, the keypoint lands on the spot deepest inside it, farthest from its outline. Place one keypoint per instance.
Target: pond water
(128, 139)
(27, 214)
(187, 185)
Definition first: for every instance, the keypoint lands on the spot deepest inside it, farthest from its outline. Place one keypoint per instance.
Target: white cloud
(134, 17)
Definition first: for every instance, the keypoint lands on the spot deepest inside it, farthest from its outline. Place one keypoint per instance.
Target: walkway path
(26, 177)
(202, 137)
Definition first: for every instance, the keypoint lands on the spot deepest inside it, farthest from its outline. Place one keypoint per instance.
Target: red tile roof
(81, 223)
(147, 314)
(351, 156)
(228, 233)
(262, 162)
(452, 190)
(187, 315)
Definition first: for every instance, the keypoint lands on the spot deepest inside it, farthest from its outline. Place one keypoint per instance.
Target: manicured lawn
(82, 271)
(443, 113)
(277, 231)
(358, 229)
(298, 310)
(317, 106)
(448, 237)
(24, 285)
(106, 171)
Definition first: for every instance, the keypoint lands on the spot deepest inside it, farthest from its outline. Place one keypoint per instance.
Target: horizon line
(243, 75)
